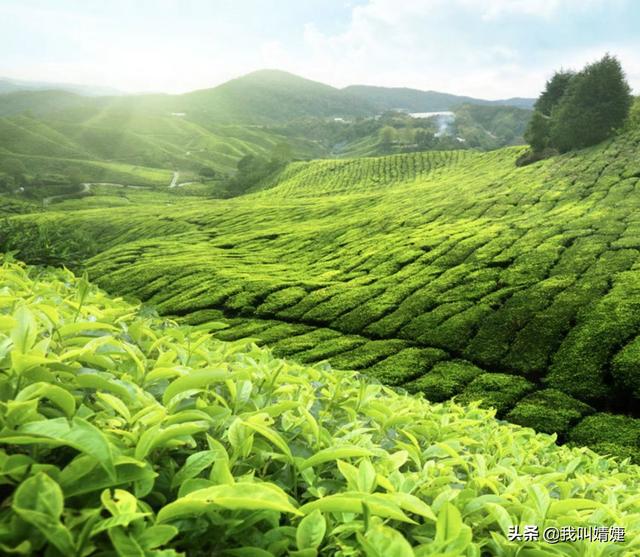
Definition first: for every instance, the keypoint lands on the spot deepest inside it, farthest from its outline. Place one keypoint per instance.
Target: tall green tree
(595, 104)
(537, 132)
(387, 135)
(553, 92)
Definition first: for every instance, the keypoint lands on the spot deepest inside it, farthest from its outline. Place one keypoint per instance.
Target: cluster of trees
(254, 169)
(580, 109)
(480, 127)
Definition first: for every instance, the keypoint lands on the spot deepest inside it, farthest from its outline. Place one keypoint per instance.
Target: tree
(578, 110)
(282, 152)
(388, 135)
(207, 172)
(252, 170)
(595, 104)
(537, 133)
(553, 92)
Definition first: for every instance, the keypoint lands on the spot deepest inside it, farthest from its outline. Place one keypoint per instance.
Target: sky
(483, 48)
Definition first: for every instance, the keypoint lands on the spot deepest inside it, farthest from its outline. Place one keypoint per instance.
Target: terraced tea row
(471, 277)
(330, 177)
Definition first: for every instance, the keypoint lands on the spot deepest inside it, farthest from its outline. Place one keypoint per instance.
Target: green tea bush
(154, 439)
(122, 434)
(531, 270)
(549, 411)
(281, 299)
(368, 354)
(444, 380)
(626, 367)
(498, 390)
(329, 348)
(609, 434)
(405, 365)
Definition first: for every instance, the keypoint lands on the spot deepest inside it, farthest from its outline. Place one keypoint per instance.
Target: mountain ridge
(263, 96)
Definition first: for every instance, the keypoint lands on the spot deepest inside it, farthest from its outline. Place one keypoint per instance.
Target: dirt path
(174, 180)
(86, 188)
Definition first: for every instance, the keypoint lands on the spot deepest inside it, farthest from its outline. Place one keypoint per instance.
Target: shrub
(330, 348)
(368, 354)
(609, 434)
(406, 365)
(626, 368)
(126, 435)
(445, 380)
(281, 299)
(299, 343)
(498, 390)
(549, 411)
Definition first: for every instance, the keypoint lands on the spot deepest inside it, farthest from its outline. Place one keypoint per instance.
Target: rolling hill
(209, 129)
(414, 100)
(446, 273)
(9, 85)
(264, 96)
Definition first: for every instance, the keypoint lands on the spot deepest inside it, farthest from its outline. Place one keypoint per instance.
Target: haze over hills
(9, 85)
(415, 100)
(51, 134)
(264, 96)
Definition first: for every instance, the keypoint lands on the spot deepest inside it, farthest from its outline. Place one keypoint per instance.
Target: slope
(126, 434)
(446, 273)
(269, 96)
(415, 100)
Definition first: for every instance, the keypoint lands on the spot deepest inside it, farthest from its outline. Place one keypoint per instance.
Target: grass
(125, 434)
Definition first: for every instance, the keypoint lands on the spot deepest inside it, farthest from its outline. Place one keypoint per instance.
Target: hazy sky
(485, 48)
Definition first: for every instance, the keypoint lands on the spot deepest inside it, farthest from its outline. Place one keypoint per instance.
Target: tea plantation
(124, 434)
(452, 274)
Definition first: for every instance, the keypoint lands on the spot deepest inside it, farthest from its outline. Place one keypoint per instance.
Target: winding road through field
(86, 188)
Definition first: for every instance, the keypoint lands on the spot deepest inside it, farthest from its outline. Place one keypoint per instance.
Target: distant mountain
(414, 100)
(9, 85)
(263, 97)
(38, 102)
(268, 96)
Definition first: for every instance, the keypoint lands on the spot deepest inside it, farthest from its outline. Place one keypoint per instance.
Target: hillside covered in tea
(451, 273)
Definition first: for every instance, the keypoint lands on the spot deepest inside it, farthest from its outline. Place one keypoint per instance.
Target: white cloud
(449, 45)
(484, 48)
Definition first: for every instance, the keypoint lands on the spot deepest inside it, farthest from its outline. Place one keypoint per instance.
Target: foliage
(45, 243)
(537, 133)
(373, 263)
(476, 126)
(125, 435)
(554, 90)
(634, 115)
(596, 103)
(579, 110)
(252, 170)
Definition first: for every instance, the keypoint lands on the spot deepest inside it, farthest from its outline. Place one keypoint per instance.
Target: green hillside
(213, 128)
(414, 100)
(139, 137)
(269, 96)
(124, 434)
(446, 273)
